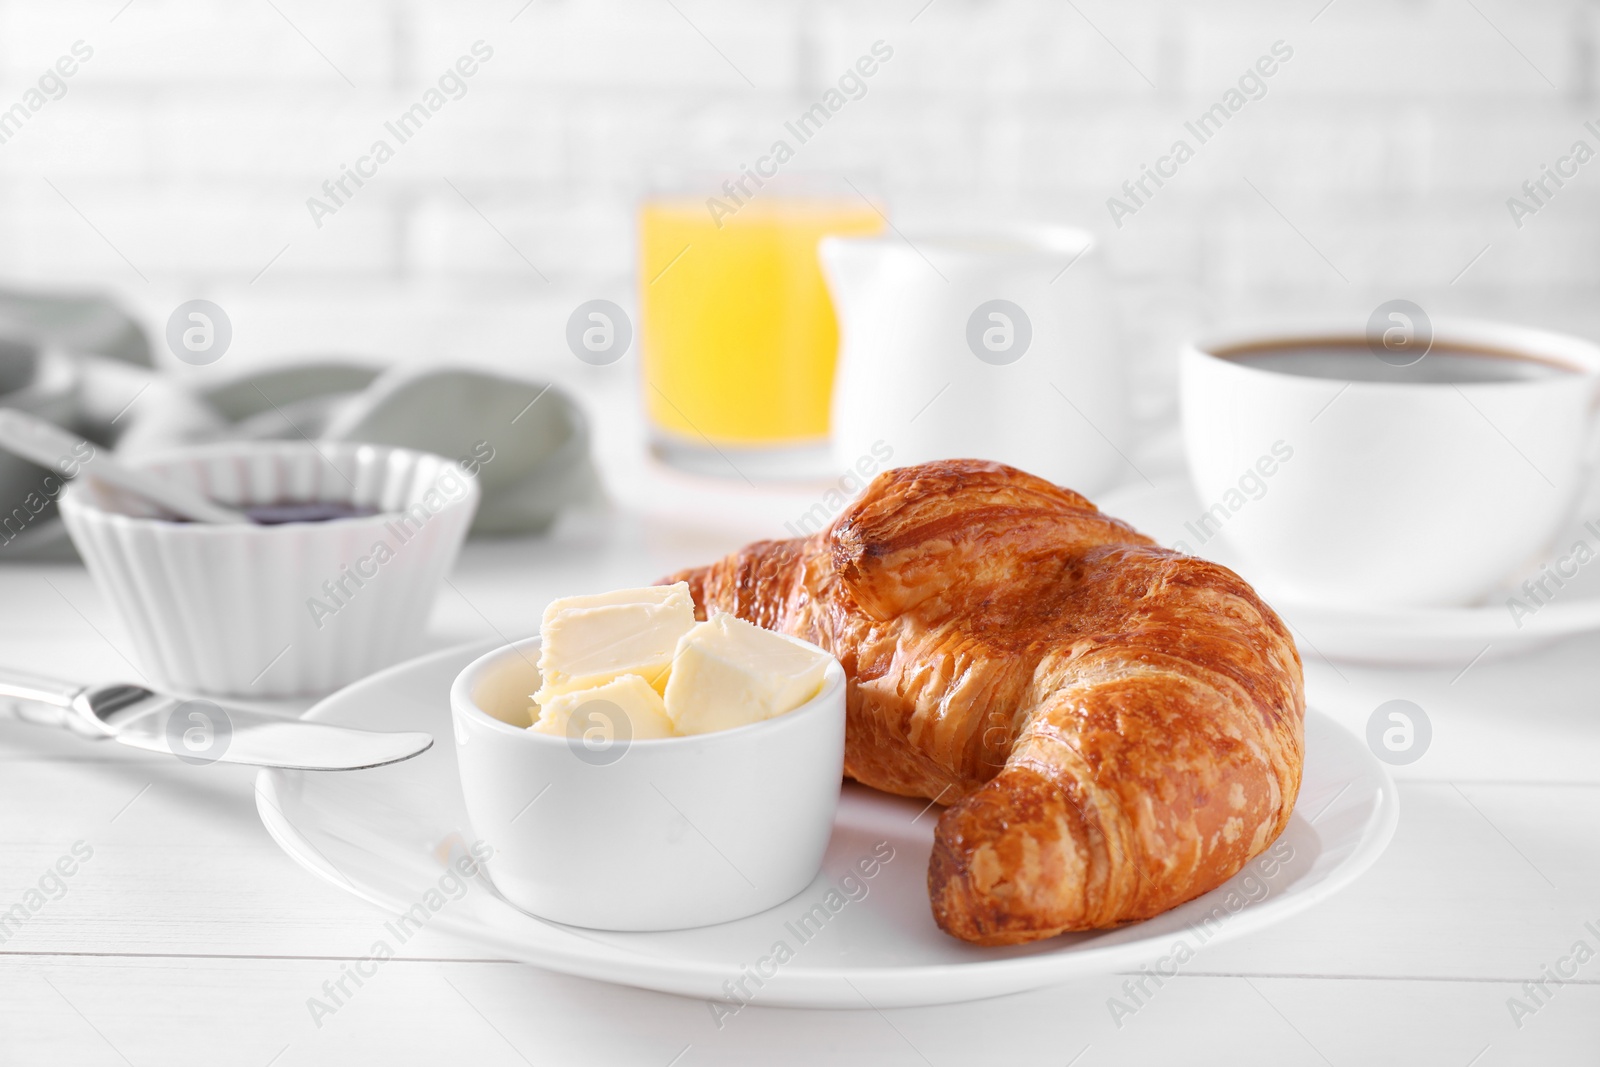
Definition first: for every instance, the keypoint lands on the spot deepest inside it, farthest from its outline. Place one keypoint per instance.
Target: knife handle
(44, 701)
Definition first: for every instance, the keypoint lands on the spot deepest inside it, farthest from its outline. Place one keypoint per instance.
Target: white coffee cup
(984, 344)
(1383, 485)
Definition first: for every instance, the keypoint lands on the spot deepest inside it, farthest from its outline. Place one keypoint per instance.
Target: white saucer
(1456, 637)
(386, 834)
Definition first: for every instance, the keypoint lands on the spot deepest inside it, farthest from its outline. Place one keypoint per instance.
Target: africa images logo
(198, 732)
(999, 332)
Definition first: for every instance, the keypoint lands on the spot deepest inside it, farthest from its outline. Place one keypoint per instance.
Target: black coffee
(1356, 363)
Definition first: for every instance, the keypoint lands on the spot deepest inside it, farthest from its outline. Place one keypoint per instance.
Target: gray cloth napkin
(83, 363)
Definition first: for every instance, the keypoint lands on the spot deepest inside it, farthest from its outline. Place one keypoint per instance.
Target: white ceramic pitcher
(990, 345)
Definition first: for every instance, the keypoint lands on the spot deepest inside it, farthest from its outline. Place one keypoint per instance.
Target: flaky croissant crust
(1116, 728)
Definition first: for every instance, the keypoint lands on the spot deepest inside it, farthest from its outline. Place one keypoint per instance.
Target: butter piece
(590, 640)
(598, 708)
(676, 594)
(728, 673)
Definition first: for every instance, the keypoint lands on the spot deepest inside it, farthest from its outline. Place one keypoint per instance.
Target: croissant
(1116, 728)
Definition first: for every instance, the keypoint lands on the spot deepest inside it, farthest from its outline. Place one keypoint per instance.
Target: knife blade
(201, 731)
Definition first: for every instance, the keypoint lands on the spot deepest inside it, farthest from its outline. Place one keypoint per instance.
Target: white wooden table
(188, 937)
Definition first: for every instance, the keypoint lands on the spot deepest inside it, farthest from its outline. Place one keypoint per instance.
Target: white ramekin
(286, 610)
(662, 834)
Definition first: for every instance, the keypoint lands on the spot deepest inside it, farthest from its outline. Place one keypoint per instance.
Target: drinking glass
(738, 337)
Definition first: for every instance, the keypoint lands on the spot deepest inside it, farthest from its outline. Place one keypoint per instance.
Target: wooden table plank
(207, 1012)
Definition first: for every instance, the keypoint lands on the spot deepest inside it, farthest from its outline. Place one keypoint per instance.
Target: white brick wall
(193, 137)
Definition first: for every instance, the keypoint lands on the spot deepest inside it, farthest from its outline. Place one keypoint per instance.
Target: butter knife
(200, 731)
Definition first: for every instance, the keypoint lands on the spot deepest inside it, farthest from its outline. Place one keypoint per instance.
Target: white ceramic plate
(387, 834)
(1169, 512)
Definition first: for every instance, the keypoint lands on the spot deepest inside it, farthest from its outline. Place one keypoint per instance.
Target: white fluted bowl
(284, 610)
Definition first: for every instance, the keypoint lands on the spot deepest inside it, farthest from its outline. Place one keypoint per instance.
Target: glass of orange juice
(738, 336)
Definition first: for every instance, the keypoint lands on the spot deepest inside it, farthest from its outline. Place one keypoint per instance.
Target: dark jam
(305, 511)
